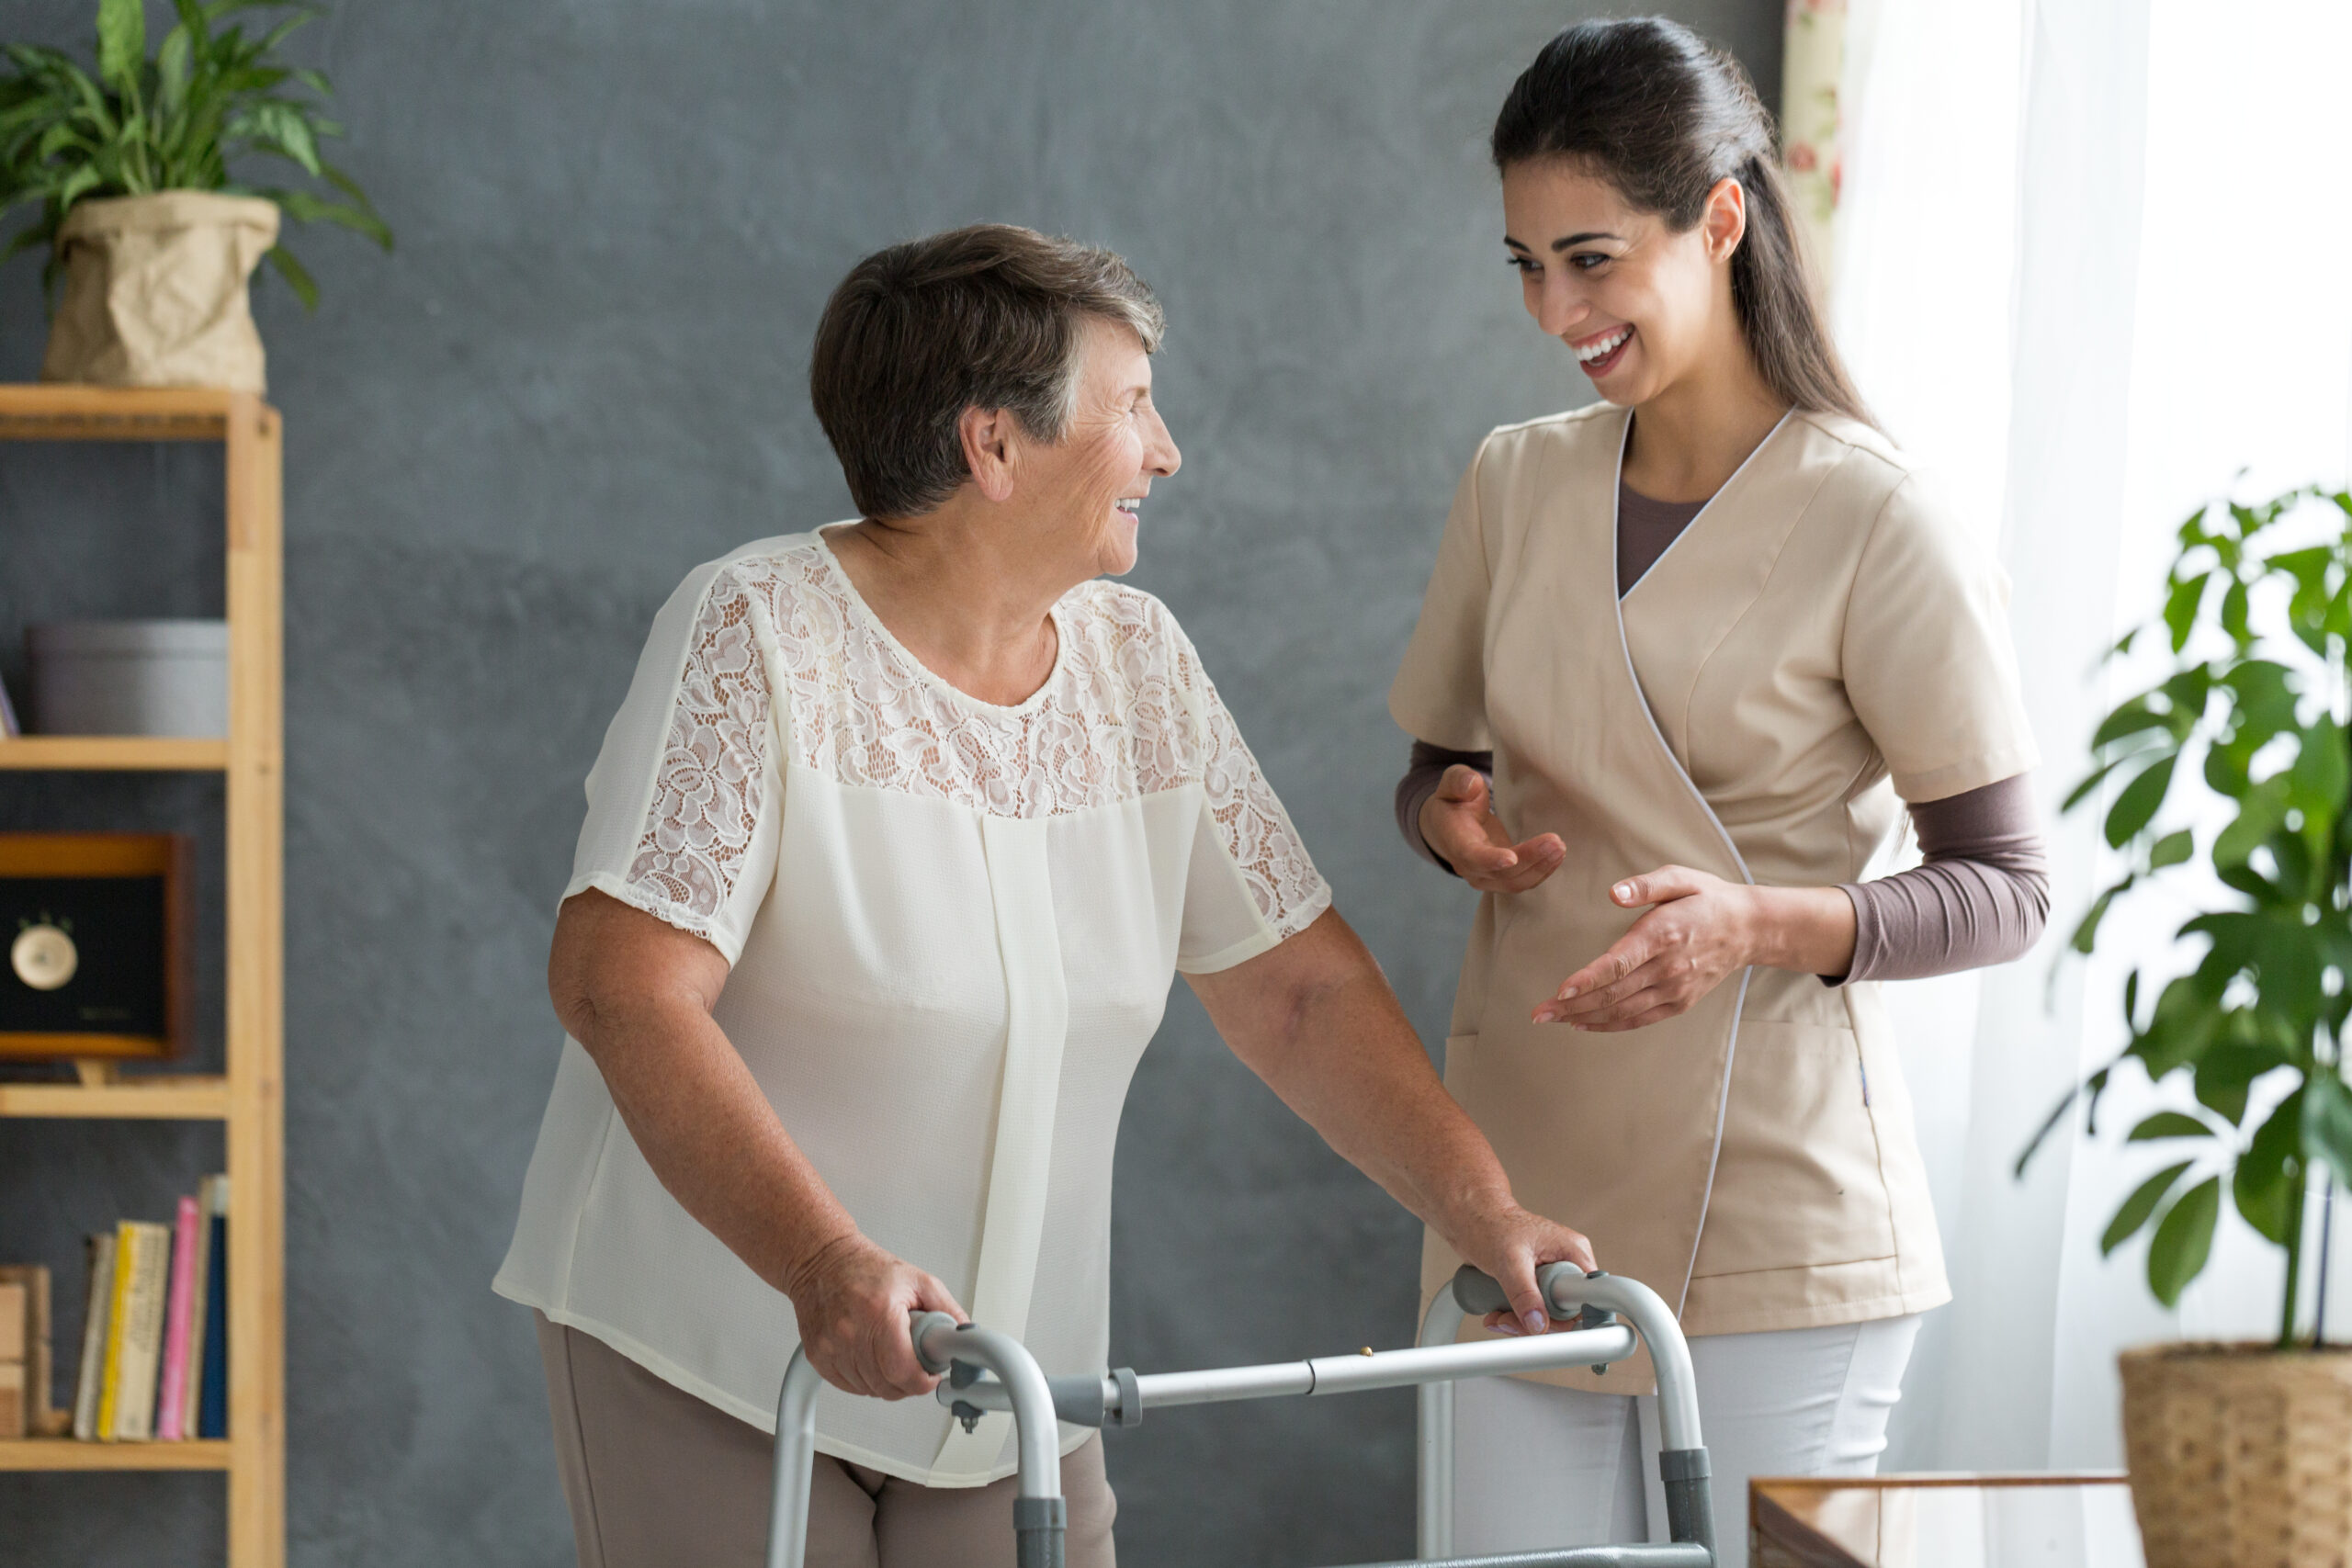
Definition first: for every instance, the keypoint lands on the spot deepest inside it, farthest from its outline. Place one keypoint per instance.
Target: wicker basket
(2241, 1455)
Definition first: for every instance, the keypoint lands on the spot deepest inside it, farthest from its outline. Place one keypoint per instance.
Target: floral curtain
(1811, 123)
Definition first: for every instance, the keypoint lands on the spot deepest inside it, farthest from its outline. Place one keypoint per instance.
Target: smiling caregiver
(1688, 647)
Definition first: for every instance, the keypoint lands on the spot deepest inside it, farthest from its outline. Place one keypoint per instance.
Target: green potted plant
(129, 168)
(2240, 1453)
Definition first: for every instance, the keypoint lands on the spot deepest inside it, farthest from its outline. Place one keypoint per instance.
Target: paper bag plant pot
(155, 292)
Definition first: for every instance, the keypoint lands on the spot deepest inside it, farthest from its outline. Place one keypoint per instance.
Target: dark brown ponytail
(1662, 115)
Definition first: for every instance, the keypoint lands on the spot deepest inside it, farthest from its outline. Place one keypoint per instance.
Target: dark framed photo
(97, 932)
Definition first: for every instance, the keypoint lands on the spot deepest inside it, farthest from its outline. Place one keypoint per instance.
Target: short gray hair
(988, 317)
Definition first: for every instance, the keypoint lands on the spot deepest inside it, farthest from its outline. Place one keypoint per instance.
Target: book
(41, 1415)
(199, 1297)
(142, 1253)
(14, 1310)
(91, 1377)
(9, 727)
(212, 1414)
(171, 1398)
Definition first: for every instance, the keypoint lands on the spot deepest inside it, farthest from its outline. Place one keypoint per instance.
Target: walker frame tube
(1040, 1515)
(1568, 1292)
(1120, 1397)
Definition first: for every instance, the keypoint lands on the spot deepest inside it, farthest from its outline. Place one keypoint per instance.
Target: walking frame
(986, 1370)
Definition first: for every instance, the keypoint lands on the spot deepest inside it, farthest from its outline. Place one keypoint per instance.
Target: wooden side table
(1943, 1521)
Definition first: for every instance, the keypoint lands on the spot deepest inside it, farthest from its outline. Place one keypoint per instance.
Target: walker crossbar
(1120, 1397)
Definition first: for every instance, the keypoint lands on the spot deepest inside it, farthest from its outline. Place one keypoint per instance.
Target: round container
(130, 678)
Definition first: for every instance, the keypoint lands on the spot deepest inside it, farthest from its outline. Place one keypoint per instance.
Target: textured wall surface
(582, 373)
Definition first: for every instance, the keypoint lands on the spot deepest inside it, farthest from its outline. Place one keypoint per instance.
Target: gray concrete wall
(582, 372)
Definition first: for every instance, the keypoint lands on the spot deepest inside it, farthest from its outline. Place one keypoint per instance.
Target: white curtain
(2090, 263)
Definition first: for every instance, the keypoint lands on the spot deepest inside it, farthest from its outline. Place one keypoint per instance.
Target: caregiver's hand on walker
(1700, 930)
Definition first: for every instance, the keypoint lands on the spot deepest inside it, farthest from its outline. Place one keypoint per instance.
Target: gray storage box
(130, 678)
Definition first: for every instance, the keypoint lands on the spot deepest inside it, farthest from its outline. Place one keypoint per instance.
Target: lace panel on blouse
(706, 798)
(1127, 712)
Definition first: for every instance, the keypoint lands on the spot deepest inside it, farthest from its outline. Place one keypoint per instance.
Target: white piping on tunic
(1709, 505)
(1731, 1048)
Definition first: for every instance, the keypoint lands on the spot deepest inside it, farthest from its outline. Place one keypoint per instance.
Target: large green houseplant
(2256, 639)
(138, 173)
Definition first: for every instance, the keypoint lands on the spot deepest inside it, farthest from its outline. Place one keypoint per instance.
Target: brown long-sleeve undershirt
(1981, 897)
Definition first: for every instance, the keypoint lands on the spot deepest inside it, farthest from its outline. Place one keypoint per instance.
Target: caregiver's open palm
(1460, 827)
(1699, 930)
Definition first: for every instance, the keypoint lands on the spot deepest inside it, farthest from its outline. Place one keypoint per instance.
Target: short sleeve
(684, 799)
(1439, 693)
(1930, 666)
(1249, 884)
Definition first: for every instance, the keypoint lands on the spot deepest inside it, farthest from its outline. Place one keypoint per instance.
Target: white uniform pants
(1536, 1466)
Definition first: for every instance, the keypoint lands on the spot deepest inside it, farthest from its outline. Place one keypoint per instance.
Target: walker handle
(921, 1324)
(1481, 1292)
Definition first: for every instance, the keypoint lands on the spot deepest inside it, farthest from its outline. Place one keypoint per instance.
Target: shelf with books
(179, 1097)
(64, 1453)
(247, 1400)
(112, 753)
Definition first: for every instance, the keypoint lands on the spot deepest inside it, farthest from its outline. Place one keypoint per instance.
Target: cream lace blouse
(952, 927)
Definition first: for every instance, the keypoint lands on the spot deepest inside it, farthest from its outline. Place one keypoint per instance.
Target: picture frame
(97, 930)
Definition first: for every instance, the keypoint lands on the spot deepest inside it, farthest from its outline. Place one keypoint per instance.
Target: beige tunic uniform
(1823, 638)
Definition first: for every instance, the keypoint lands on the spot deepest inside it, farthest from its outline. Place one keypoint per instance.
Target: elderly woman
(891, 853)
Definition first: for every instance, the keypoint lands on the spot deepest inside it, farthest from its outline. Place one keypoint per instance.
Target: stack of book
(24, 1354)
(155, 1343)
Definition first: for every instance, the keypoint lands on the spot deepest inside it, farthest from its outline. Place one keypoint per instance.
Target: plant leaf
(2170, 1124)
(305, 287)
(2260, 814)
(2138, 803)
(2180, 607)
(2327, 1121)
(2181, 1027)
(2140, 1205)
(2172, 850)
(2225, 1076)
(2086, 933)
(2264, 1181)
(2130, 719)
(2184, 1240)
(122, 39)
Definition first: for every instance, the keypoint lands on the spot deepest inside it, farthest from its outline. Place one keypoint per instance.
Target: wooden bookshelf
(249, 1097)
(47, 412)
(64, 1453)
(173, 1098)
(112, 753)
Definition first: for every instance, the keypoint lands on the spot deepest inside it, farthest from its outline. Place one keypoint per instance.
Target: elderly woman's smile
(1115, 446)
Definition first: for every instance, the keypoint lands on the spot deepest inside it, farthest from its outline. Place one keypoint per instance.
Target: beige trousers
(658, 1479)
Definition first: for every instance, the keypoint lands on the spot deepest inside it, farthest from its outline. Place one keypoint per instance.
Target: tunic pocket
(1798, 1182)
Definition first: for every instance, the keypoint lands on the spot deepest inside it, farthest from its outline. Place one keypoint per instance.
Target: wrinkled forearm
(710, 1135)
(637, 995)
(1332, 1042)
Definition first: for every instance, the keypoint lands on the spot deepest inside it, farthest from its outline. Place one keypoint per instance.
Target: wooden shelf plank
(113, 753)
(56, 412)
(64, 1453)
(179, 1098)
